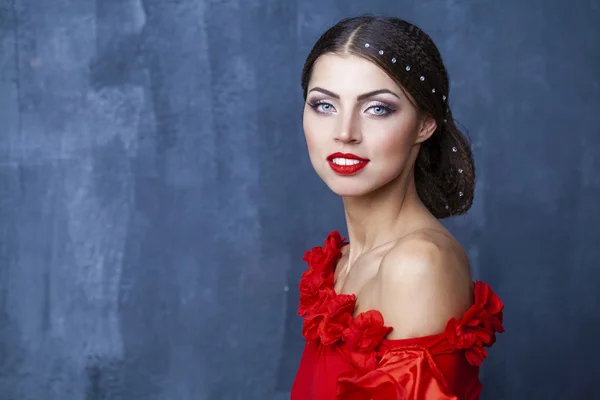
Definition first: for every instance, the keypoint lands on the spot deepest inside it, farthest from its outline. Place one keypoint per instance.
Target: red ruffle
(328, 317)
(478, 327)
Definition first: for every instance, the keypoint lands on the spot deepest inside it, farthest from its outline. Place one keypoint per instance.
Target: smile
(345, 161)
(346, 164)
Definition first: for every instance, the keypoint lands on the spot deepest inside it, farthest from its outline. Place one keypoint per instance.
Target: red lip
(347, 169)
(346, 155)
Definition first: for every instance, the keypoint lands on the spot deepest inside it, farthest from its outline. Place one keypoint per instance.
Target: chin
(361, 184)
(349, 188)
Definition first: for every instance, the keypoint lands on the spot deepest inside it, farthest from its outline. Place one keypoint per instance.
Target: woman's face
(361, 129)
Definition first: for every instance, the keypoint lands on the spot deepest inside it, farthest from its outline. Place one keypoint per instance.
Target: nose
(349, 131)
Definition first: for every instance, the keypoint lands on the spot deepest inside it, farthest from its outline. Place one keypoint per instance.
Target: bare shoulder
(423, 282)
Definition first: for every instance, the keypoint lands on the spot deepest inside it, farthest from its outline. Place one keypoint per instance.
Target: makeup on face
(346, 163)
(381, 108)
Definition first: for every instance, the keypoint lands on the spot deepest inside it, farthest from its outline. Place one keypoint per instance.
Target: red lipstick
(346, 163)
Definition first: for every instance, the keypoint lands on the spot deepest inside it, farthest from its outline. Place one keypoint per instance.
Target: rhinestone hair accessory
(422, 78)
(444, 98)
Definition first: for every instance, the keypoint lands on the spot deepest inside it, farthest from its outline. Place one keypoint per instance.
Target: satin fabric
(411, 369)
(401, 374)
(348, 357)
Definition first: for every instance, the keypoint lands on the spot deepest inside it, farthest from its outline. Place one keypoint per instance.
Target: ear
(428, 127)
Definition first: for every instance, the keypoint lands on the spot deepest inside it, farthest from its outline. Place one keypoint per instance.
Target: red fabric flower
(334, 242)
(478, 326)
(316, 314)
(325, 314)
(337, 318)
(310, 291)
(311, 325)
(492, 306)
(328, 316)
(323, 259)
(315, 258)
(366, 331)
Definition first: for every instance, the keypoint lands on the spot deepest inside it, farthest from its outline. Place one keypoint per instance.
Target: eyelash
(387, 108)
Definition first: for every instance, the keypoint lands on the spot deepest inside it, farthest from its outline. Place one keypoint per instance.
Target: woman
(394, 313)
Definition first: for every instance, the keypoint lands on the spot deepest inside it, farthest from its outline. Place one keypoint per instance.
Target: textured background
(156, 196)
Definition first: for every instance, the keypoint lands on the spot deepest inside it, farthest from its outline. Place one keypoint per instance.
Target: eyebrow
(358, 98)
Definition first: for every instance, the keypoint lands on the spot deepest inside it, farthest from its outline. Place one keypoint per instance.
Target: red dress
(349, 358)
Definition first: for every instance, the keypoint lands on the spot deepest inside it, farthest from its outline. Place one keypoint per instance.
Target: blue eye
(321, 107)
(380, 110)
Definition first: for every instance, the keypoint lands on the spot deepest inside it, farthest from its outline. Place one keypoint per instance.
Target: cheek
(395, 144)
(313, 133)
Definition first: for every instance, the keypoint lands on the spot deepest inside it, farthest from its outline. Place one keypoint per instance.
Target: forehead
(349, 74)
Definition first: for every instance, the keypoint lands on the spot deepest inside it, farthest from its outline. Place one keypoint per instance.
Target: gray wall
(156, 196)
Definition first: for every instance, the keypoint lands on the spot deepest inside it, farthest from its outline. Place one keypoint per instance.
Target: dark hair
(444, 169)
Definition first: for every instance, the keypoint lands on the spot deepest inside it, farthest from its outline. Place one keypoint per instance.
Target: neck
(381, 216)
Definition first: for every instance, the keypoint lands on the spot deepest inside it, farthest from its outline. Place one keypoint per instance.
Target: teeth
(344, 161)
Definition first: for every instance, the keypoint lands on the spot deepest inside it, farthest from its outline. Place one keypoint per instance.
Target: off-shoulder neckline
(328, 316)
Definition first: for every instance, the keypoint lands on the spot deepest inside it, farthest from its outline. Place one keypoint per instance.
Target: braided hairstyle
(444, 169)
